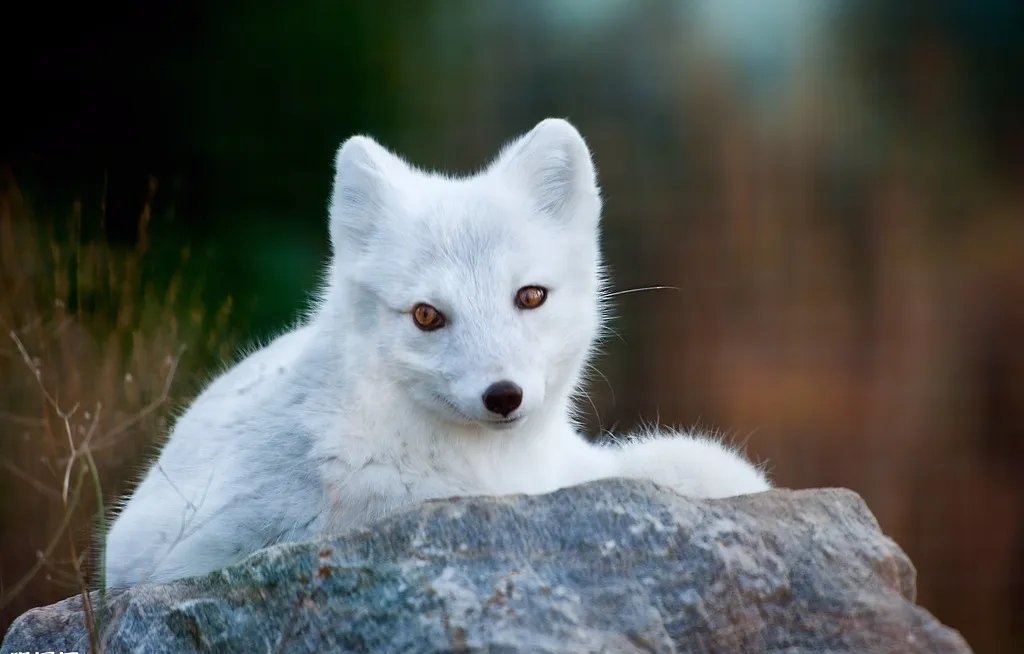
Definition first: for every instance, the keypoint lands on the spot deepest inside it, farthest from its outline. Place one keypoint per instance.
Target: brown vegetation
(91, 358)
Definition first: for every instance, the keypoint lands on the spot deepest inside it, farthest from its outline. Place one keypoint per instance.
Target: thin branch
(108, 437)
(24, 421)
(35, 483)
(50, 547)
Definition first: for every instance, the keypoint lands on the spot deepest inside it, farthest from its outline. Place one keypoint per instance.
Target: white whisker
(643, 288)
(593, 368)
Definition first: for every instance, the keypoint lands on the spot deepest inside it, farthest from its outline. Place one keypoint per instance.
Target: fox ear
(553, 162)
(362, 186)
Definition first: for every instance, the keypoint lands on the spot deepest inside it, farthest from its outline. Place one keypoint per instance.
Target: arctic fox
(441, 358)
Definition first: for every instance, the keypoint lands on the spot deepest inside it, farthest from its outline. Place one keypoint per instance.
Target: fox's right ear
(361, 189)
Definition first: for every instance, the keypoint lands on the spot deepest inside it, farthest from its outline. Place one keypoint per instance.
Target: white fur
(357, 412)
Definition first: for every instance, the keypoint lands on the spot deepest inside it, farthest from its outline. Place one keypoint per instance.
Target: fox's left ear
(554, 164)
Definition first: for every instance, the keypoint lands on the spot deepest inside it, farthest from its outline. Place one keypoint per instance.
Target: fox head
(478, 297)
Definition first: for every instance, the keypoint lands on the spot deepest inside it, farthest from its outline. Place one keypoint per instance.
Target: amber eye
(427, 317)
(531, 297)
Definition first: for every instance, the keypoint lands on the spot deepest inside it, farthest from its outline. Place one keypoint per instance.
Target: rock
(612, 566)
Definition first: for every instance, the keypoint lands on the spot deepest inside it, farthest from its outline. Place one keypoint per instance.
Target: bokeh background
(836, 190)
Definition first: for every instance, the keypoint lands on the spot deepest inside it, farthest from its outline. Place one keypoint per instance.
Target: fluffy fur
(358, 412)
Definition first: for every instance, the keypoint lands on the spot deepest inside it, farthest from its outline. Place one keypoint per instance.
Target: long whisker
(644, 288)
(613, 332)
(592, 368)
(593, 406)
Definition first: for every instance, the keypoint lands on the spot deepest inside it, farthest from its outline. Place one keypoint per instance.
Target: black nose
(503, 397)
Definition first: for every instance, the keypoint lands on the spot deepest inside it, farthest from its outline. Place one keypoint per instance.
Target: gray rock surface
(612, 566)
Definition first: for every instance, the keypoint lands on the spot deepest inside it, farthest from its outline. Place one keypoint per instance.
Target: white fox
(442, 358)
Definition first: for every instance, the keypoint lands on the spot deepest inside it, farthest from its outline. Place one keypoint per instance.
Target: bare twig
(24, 421)
(50, 547)
(109, 437)
(35, 483)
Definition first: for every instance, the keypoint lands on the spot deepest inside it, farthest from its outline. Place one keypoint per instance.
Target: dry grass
(94, 361)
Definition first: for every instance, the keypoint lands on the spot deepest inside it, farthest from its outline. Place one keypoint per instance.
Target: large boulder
(613, 566)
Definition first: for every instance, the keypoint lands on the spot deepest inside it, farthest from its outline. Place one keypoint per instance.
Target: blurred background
(836, 190)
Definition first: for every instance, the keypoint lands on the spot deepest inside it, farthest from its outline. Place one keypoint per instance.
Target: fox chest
(358, 495)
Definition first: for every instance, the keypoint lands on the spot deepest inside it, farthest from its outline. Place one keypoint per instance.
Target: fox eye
(531, 297)
(427, 318)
